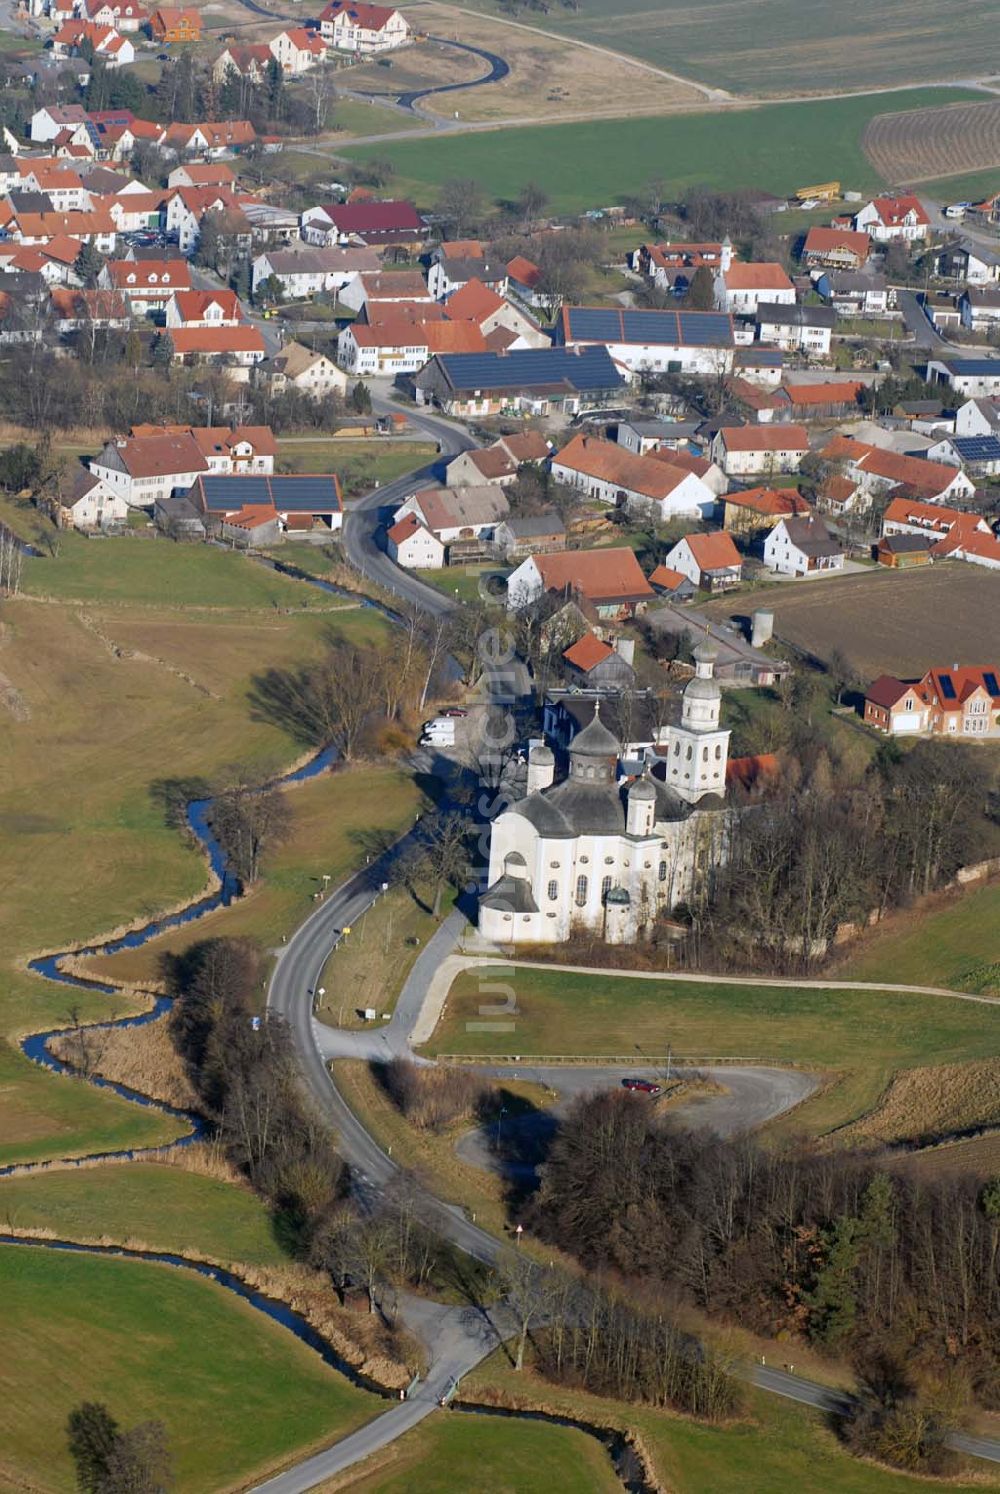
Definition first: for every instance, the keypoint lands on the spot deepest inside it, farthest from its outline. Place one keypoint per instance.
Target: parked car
(641, 1086)
(455, 711)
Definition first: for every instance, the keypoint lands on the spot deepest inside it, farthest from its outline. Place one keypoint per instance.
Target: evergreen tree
(701, 292)
(274, 85)
(163, 351)
(88, 265)
(361, 400)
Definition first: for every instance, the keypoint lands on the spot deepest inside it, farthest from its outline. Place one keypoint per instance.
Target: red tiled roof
(886, 690)
(193, 304)
(933, 516)
(916, 472)
(767, 276)
(474, 302)
(667, 579)
(255, 517)
(375, 217)
(598, 575)
(524, 271)
(369, 17)
(715, 551)
(608, 462)
(587, 652)
(167, 275)
(462, 248)
(770, 502)
(839, 392)
(892, 210)
(962, 683)
(407, 526)
(826, 240)
(216, 340)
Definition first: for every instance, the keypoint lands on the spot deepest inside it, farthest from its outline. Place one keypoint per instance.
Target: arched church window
(581, 891)
(663, 871)
(677, 749)
(704, 754)
(689, 752)
(718, 752)
(605, 888)
(609, 861)
(553, 891)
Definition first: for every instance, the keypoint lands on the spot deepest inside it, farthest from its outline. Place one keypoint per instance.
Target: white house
(978, 417)
(147, 284)
(741, 288)
(446, 276)
(470, 512)
(709, 561)
(806, 329)
(363, 28)
(196, 308)
(980, 309)
(310, 373)
(616, 476)
(91, 503)
(50, 121)
(413, 546)
(599, 853)
(141, 470)
(856, 293)
(888, 219)
(752, 450)
(306, 271)
(877, 470)
(297, 50)
(801, 545)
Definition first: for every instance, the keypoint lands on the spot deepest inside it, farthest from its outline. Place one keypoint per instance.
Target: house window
(605, 888)
(609, 861)
(581, 891)
(663, 871)
(553, 891)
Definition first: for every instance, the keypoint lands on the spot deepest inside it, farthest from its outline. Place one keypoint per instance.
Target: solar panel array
(990, 681)
(977, 448)
(947, 687)
(300, 495)
(531, 368)
(661, 328)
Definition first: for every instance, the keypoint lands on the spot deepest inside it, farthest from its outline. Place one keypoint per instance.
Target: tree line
(898, 1273)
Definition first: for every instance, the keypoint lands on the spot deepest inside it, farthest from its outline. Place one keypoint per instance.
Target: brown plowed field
(923, 144)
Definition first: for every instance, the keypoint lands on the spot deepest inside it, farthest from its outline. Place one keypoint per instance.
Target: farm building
(690, 342)
(606, 471)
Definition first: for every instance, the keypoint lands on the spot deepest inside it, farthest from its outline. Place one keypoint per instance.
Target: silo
(762, 628)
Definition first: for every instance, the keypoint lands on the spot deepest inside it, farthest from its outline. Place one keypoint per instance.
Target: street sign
(255, 1023)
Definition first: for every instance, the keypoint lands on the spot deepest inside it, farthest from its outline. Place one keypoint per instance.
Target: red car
(454, 711)
(641, 1086)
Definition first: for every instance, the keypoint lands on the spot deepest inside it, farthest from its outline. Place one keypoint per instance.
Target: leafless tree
(249, 822)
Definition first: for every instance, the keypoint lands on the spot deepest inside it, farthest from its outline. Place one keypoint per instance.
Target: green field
(237, 1393)
(359, 464)
(778, 47)
(151, 1205)
(485, 1455)
(957, 945)
(776, 148)
(777, 1446)
(156, 572)
(863, 1036)
(974, 188)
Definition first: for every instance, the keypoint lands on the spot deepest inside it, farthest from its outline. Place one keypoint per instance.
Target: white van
(440, 732)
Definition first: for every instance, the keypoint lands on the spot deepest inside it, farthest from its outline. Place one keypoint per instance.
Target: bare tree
(248, 823)
(529, 1290)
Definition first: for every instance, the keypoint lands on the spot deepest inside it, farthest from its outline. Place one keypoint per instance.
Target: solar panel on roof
(593, 322)
(530, 367)
(947, 688)
(978, 448)
(990, 681)
(705, 328)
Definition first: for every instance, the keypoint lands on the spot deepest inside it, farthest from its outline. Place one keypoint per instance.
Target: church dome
(595, 740)
(642, 789)
(701, 689)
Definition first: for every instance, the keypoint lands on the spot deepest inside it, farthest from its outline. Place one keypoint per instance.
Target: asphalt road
(498, 69)
(925, 335)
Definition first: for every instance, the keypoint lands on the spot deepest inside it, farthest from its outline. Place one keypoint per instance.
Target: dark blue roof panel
(977, 448)
(297, 495)
(532, 368)
(650, 328)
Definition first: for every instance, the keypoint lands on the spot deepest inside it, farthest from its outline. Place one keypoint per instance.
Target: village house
(74, 308)
(958, 702)
(832, 399)
(380, 225)
(142, 470)
(535, 381)
(978, 417)
(641, 436)
(304, 370)
(446, 276)
(672, 267)
(225, 137)
(607, 584)
(967, 262)
(608, 472)
(413, 546)
(523, 281)
(237, 349)
(763, 366)
(145, 284)
(905, 515)
(498, 463)
(366, 29)
(876, 470)
(304, 271)
(671, 584)
(87, 502)
(979, 308)
(536, 534)
(757, 509)
(856, 293)
(710, 562)
(901, 552)
(835, 249)
(297, 50)
(104, 42)
(377, 291)
(49, 122)
(398, 345)
(197, 308)
(893, 219)
(174, 27)
(801, 545)
(756, 450)
(688, 342)
(741, 288)
(977, 455)
(202, 174)
(806, 329)
(506, 327)
(249, 60)
(465, 513)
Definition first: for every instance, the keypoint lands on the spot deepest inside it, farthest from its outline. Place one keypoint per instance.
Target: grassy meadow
(954, 944)
(861, 1037)
(778, 47)
(776, 147)
(238, 1395)
(149, 1205)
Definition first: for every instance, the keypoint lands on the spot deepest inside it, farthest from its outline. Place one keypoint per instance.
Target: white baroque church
(602, 854)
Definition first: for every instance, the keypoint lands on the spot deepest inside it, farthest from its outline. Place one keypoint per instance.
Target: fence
(615, 1060)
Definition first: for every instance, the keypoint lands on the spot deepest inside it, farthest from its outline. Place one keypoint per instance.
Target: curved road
(498, 69)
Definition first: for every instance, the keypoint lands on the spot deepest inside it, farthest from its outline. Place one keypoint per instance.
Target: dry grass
(920, 145)
(925, 1104)
(143, 1058)
(977, 1157)
(548, 79)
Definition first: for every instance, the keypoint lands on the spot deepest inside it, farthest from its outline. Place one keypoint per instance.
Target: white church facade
(598, 853)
